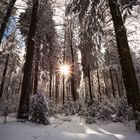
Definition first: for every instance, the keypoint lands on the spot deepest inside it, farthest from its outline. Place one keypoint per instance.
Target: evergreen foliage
(39, 111)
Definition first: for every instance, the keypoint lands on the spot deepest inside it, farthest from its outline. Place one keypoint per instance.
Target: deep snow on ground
(63, 129)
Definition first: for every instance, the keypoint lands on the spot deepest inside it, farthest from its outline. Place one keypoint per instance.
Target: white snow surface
(67, 128)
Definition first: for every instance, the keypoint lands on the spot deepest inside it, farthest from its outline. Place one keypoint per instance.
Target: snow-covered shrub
(12, 102)
(78, 105)
(88, 110)
(98, 111)
(69, 107)
(8, 105)
(90, 120)
(82, 109)
(59, 109)
(110, 104)
(39, 109)
(123, 111)
(5, 107)
(66, 119)
(51, 107)
(106, 110)
(130, 114)
(116, 110)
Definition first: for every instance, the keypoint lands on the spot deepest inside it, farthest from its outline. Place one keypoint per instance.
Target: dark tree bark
(63, 89)
(106, 91)
(73, 88)
(53, 89)
(63, 80)
(98, 80)
(50, 83)
(4, 75)
(89, 83)
(128, 71)
(10, 78)
(56, 88)
(110, 73)
(37, 60)
(112, 82)
(23, 111)
(6, 18)
(20, 83)
(51, 54)
(118, 85)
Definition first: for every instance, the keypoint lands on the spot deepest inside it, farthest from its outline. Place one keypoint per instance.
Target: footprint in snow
(36, 137)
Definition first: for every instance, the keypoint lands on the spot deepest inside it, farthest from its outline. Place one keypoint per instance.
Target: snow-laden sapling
(91, 110)
(51, 107)
(90, 120)
(96, 110)
(5, 108)
(39, 109)
(123, 111)
(69, 107)
(105, 112)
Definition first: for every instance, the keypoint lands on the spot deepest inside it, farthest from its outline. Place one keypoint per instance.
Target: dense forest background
(82, 55)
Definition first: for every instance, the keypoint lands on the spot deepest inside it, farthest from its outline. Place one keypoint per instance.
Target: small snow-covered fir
(39, 109)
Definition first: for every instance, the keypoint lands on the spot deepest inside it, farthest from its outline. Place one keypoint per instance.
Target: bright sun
(64, 69)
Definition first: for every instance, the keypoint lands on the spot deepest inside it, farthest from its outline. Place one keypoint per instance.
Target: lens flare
(64, 69)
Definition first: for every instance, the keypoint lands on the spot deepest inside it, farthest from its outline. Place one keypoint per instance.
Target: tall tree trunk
(6, 18)
(10, 78)
(111, 74)
(98, 80)
(63, 89)
(4, 75)
(56, 88)
(112, 82)
(37, 60)
(105, 82)
(73, 88)
(20, 83)
(23, 111)
(51, 54)
(50, 83)
(89, 83)
(63, 79)
(53, 88)
(117, 81)
(128, 71)
(32, 82)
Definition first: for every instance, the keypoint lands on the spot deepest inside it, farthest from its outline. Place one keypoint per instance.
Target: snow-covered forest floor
(67, 128)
